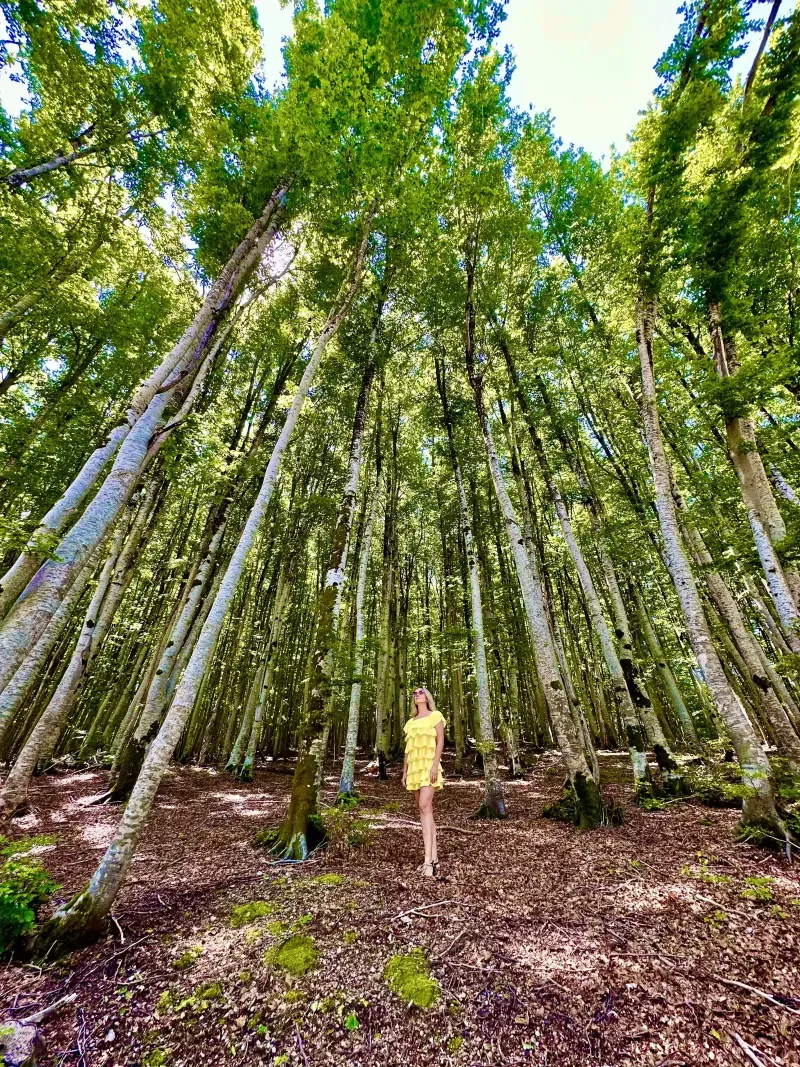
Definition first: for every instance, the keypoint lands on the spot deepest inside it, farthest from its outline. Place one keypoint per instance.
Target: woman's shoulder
(424, 722)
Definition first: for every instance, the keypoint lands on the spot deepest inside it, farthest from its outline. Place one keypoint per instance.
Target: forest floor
(622, 946)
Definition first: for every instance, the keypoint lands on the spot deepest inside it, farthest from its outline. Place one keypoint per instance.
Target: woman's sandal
(428, 870)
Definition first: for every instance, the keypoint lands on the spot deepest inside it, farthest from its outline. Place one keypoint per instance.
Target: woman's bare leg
(425, 801)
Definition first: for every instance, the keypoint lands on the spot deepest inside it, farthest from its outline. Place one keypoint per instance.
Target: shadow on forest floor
(549, 946)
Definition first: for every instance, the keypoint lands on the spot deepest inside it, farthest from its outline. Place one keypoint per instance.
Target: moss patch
(266, 838)
(328, 879)
(157, 1058)
(408, 975)
(188, 959)
(297, 955)
(244, 914)
(24, 844)
(208, 992)
(165, 1002)
(294, 996)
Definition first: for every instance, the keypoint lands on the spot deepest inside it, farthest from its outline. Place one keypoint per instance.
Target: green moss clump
(455, 1043)
(165, 1002)
(208, 992)
(350, 937)
(25, 844)
(562, 810)
(408, 975)
(188, 959)
(157, 1058)
(244, 914)
(328, 879)
(566, 809)
(294, 996)
(297, 955)
(278, 928)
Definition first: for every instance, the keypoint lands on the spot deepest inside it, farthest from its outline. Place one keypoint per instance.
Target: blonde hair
(428, 697)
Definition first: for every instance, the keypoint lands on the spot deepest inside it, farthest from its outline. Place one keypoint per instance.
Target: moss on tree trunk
(297, 834)
(589, 812)
(493, 805)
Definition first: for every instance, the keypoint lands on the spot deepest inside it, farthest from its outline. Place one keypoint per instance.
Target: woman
(422, 772)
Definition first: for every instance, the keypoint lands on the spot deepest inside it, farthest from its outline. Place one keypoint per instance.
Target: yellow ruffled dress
(421, 749)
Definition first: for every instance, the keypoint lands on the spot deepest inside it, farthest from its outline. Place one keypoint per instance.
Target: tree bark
(83, 917)
(493, 806)
(758, 808)
(346, 780)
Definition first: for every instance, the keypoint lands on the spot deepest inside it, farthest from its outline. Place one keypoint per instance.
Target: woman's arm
(438, 754)
(405, 770)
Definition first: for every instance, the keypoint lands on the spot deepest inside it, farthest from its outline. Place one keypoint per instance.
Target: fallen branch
(425, 907)
(119, 929)
(748, 1050)
(300, 1044)
(45, 1013)
(759, 992)
(722, 907)
(444, 952)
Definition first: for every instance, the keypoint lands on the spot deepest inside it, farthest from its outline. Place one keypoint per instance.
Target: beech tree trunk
(84, 916)
(293, 838)
(758, 808)
(766, 521)
(493, 806)
(346, 780)
(787, 739)
(585, 786)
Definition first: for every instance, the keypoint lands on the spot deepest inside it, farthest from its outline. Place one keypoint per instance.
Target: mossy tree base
(589, 802)
(761, 826)
(127, 771)
(300, 832)
(73, 926)
(245, 773)
(582, 805)
(672, 778)
(493, 805)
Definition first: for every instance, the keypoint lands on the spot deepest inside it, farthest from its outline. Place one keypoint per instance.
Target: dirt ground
(623, 946)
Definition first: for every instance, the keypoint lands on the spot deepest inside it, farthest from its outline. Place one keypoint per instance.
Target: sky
(588, 62)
